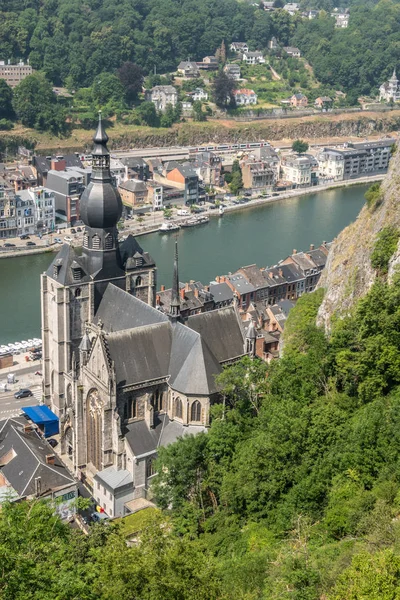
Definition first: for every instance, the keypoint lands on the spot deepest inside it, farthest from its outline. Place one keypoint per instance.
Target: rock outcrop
(348, 274)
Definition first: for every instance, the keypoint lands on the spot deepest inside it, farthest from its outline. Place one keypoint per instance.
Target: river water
(261, 235)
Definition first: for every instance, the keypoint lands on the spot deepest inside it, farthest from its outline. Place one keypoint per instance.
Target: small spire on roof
(100, 137)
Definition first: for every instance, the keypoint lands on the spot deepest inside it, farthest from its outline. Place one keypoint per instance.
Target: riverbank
(144, 229)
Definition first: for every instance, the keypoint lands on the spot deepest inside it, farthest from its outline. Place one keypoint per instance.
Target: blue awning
(44, 418)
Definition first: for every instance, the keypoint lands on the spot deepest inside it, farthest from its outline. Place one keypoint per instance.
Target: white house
(239, 47)
(162, 95)
(390, 90)
(292, 8)
(292, 51)
(35, 210)
(253, 58)
(199, 94)
(245, 97)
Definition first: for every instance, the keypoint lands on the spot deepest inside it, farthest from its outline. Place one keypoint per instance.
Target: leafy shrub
(6, 125)
(373, 195)
(384, 248)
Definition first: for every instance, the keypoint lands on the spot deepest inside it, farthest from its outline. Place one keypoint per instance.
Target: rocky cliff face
(349, 274)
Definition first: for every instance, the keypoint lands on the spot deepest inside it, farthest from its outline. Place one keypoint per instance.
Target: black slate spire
(175, 308)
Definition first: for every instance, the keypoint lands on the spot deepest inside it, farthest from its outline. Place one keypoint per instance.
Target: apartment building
(8, 217)
(300, 169)
(14, 74)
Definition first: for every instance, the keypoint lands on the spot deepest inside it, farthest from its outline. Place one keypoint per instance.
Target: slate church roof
(144, 344)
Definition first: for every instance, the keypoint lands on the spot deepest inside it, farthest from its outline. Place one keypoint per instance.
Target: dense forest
(294, 492)
(356, 59)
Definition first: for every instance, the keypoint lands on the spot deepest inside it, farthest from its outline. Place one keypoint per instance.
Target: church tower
(74, 284)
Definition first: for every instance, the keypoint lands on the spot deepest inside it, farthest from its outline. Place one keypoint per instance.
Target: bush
(385, 247)
(6, 125)
(373, 195)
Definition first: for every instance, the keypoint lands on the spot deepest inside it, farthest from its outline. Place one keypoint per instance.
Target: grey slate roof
(240, 283)
(221, 331)
(65, 259)
(221, 292)
(143, 440)
(114, 479)
(134, 185)
(29, 460)
(140, 354)
(118, 310)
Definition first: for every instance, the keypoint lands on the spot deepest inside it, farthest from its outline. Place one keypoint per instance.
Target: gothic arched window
(131, 408)
(195, 411)
(150, 470)
(77, 292)
(138, 281)
(178, 408)
(158, 401)
(69, 395)
(94, 425)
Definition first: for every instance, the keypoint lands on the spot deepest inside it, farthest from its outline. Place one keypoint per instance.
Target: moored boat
(195, 221)
(167, 227)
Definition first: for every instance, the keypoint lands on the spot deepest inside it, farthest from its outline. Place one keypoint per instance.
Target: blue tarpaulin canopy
(44, 418)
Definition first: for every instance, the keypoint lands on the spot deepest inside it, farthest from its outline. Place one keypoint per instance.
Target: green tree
(147, 113)
(299, 146)
(222, 88)
(131, 77)
(32, 97)
(106, 88)
(198, 114)
(384, 248)
(236, 180)
(6, 96)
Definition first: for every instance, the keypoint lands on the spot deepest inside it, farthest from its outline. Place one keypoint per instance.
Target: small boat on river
(195, 221)
(167, 227)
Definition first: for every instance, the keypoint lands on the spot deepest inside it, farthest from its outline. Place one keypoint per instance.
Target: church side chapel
(123, 377)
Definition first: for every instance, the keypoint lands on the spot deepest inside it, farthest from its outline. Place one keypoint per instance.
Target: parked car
(53, 443)
(79, 229)
(67, 238)
(73, 230)
(8, 245)
(25, 393)
(24, 236)
(98, 517)
(30, 244)
(57, 240)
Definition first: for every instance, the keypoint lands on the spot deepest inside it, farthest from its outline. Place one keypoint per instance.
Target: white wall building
(162, 95)
(390, 90)
(112, 489)
(245, 97)
(301, 170)
(35, 210)
(253, 58)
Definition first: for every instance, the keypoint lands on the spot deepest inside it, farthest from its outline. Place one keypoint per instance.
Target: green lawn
(133, 524)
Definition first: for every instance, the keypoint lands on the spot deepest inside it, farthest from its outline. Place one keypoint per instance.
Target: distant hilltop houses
(389, 91)
(14, 74)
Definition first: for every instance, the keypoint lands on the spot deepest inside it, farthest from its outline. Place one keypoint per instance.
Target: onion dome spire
(100, 204)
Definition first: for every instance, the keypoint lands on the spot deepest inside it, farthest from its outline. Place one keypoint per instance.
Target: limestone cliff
(349, 274)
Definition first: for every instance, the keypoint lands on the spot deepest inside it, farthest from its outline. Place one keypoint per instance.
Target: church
(390, 90)
(123, 377)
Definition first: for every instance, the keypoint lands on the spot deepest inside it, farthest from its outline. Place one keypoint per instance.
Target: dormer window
(85, 240)
(57, 267)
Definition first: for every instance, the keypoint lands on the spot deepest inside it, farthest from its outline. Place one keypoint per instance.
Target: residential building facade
(253, 58)
(14, 74)
(390, 90)
(292, 51)
(245, 97)
(257, 175)
(8, 212)
(161, 96)
(300, 169)
(298, 100)
(35, 210)
(233, 71)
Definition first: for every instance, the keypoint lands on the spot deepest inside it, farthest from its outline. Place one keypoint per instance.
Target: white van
(182, 213)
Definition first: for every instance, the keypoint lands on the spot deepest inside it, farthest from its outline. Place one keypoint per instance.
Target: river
(261, 235)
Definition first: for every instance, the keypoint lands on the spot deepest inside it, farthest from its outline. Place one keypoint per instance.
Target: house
(137, 168)
(209, 63)
(300, 169)
(208, 167)
(253, 58)
(242, 288)
(188, 69)
(292, 8)
(155, 194)
(222, 294)
(112, 489)
(187, 108)
(257, 175)
(239, 47)
(21, 177)
(119, 170)
(390, 90)
(311, 14)
(8, 213)
(323, 102)
(184, 177)
(68, 185)
(233, 71)
(292, 51)
(133, 192)
(244, 97)
(198, 94)
(298, 100)
(194, 299)
(269, 6)
(14, 74)
(35, 210)
(267, 155)
(277, 315)
(43, 164)
(29, 468)
(161, 96)
(341, 19)
(273, 43)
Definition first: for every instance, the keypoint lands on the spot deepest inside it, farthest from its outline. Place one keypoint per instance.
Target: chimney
(50, 459)
(158, 300)
(196, 292)
(218, 279)
(187, 287)
(223, 279)
(182, 293)
(312, 246)
(280, 272)
(163, 288)
(324, 243)
(58, 164)
(207, 288)
(294, 251)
